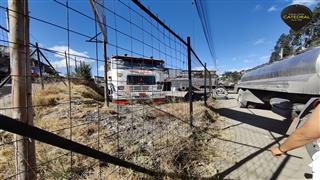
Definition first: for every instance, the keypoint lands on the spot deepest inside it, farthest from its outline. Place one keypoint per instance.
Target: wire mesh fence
(127, 86)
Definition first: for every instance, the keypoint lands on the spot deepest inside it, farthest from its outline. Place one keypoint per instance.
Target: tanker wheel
(251, 105)
(221, 92)
(313, 146)
(243, 104)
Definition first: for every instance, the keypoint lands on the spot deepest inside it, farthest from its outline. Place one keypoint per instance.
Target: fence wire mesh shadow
(156, 112)
(249, 146)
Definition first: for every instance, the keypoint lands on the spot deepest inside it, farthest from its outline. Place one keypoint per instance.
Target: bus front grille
(140, 88)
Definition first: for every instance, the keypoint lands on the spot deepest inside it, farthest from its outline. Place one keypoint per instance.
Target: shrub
(83, 71)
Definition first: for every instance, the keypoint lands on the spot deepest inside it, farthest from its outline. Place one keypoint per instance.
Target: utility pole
(20, 64)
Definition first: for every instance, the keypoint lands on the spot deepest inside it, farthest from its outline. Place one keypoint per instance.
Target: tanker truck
(289, 87)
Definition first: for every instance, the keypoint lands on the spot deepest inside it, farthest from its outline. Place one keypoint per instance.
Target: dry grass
(192, 152)
(86, 92)
(6, 155)
(50, 95)
(51, 114)
(54, 93)
(180, 151)
(56, 117)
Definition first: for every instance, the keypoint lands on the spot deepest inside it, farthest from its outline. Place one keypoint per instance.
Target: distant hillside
(5, 64)
(295, 41)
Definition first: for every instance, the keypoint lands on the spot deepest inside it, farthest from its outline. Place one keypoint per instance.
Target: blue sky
(244, 32)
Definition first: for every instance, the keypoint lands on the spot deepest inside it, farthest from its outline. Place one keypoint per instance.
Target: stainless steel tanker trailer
(289, 87)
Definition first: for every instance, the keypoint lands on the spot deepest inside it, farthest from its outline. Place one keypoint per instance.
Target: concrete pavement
(254, 132)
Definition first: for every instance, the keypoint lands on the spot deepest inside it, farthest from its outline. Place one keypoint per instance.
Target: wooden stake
(20, 64)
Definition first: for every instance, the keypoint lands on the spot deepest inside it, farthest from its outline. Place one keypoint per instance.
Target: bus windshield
(141, 80)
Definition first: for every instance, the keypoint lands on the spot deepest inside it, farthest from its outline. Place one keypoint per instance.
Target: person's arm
(301, 136)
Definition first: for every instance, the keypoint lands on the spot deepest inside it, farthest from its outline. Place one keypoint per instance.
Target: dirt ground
(155, 136)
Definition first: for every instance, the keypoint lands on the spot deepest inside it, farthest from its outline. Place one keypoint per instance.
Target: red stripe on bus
(159, 100)
(120, 101)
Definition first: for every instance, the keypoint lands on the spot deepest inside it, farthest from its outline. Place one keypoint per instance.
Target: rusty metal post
(75, 64)
(20, 63)
(39, 65)
(102, 24)
(190, 84)
(210, 83)
(205, 84)
(106, 90)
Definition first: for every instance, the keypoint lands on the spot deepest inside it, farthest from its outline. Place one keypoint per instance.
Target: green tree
(83, 71)
(231, 77)
(274, 57)
(284, 43)
(296, 38)
(315, 27)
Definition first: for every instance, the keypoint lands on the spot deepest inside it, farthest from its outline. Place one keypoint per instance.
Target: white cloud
(59, 64)
(247, 61)
(198, 68)
(305, 2)
(251, 55)
(259, 41)
(63, 49)
(256, 58)
(272, 8)
(247, 58)
(257, 7)
(101, 68)
(74, 56)
(265, 58)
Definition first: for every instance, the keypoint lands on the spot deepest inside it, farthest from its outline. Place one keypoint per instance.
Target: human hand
(276, 151)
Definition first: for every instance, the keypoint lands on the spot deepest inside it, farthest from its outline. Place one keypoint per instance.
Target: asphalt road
(254, 132)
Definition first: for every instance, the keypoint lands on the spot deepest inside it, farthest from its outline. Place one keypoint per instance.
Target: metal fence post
(106, 90)
(210, 83)
(190, 83)
(39, 65)
(205, 84)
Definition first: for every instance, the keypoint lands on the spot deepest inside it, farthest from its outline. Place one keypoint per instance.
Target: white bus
(135, 78)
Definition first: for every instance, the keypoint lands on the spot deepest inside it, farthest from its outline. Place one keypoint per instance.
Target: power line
(203, 15)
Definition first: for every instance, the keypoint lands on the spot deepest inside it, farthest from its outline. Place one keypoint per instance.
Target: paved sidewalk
(254, 132)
